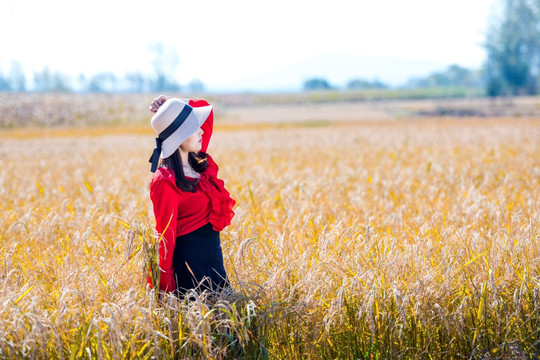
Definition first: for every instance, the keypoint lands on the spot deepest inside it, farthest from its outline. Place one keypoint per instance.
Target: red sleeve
(163, 198)
(208, 125)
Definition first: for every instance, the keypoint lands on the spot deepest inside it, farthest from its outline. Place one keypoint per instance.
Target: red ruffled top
(180, 212)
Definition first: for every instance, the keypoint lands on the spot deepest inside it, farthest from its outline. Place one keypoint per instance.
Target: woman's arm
(165, 210)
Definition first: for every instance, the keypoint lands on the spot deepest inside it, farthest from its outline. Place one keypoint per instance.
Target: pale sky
(218, 41)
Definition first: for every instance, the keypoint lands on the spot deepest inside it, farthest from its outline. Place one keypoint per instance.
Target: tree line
(512, 66)
(453, 76)
(47, 80)
(164, 62)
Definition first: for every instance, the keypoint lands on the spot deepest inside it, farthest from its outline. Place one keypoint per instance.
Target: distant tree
(43, 80)
(196, 86)
(17, 77)
(365, 84)
(460, 76)
(5, 84)
(513, 49)
(136, 81)
(46, 81)
(165, 63)
(453, 76)
(316, 84)
(82, 84)
(60, 82)
(102, 82)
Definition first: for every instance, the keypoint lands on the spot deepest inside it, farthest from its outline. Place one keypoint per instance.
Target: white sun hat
(174, 122)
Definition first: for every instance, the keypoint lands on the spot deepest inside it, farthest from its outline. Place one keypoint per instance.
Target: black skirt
(198, 261)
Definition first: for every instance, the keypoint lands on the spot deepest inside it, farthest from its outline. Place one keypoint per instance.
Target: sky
(219, 41)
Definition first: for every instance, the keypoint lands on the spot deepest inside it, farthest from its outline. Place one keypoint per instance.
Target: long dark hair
(198, 161)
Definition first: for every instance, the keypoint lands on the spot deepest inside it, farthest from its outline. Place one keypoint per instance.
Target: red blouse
(180, 212)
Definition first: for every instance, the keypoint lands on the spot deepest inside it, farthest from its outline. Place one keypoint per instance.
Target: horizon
(244, 36)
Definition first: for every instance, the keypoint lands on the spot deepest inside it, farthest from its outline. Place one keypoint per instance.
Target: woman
(191, 204)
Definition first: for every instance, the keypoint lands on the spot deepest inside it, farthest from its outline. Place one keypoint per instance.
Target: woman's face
(193, 143)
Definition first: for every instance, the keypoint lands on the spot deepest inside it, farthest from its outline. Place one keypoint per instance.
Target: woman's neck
(185, 158)
(186, 166)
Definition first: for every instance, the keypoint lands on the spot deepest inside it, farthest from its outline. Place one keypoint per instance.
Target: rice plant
(388, 239)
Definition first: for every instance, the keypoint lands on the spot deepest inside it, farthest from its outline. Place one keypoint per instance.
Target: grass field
(75, 110)
(354, 237)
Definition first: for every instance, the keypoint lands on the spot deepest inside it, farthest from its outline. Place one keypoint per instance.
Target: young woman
(191, 204)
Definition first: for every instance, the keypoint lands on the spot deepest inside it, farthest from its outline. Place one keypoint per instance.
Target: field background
(364, 229)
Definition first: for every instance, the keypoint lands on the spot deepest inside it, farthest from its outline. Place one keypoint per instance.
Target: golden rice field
(366, 239)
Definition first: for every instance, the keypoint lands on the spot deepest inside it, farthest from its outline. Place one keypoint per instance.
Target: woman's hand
(158, 102)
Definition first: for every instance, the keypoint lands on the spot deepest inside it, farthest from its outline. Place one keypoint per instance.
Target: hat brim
(193, 122)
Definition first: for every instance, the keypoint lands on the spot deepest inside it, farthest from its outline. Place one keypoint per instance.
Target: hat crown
(166, 114)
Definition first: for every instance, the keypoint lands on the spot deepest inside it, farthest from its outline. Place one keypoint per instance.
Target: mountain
(338, 69)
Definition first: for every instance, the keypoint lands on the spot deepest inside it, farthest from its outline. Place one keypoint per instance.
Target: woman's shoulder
(162, 175)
